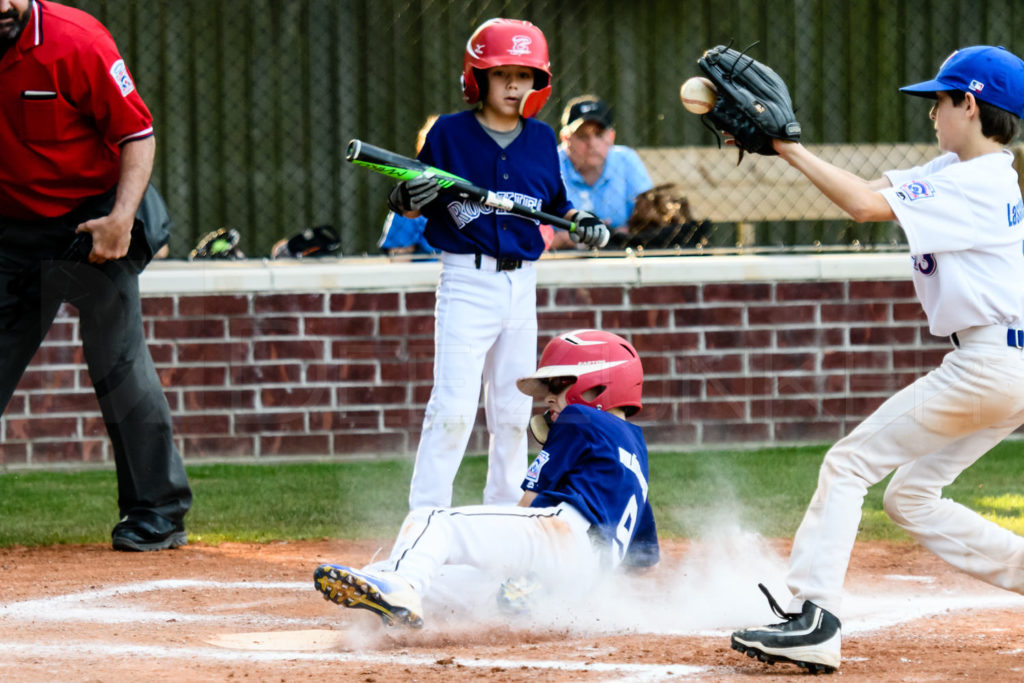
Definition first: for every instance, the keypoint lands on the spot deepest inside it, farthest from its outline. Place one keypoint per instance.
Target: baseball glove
(753, 102)
(322, 240)
(221, 243)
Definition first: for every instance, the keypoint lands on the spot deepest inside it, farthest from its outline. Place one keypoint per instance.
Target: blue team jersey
(598, 463)
(613, 196)
(526, 171)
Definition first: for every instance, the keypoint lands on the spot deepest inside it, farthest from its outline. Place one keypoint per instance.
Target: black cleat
(810, 639)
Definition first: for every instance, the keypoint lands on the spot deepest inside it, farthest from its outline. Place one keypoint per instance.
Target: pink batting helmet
(507, 42)
(598, 360)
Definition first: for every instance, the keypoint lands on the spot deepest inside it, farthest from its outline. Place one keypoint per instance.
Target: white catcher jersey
(964, 221)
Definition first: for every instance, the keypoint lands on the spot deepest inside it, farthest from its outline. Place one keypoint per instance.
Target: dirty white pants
(929, 433)
(500, 541)
(485, 333)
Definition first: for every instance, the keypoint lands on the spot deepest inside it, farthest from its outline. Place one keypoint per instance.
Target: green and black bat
(404, 168)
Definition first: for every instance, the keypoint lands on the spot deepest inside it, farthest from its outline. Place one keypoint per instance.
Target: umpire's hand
(111, 236)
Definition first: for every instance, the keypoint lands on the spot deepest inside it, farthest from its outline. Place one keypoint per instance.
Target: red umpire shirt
(68, 103)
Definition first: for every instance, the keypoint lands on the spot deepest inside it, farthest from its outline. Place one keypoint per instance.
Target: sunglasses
(557, 385)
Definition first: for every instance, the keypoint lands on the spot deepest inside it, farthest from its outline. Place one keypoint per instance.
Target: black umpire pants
(38, 272)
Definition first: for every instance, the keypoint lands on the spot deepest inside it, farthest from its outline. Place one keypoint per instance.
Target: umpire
(77, 152)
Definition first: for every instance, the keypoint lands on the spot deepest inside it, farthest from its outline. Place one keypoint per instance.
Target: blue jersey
(613, 196)
(597, 463)
(526, 172)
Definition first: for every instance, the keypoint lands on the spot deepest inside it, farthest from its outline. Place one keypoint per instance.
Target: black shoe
(810, 639)
(148, 532)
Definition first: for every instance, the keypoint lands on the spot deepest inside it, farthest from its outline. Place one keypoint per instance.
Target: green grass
(693, 493)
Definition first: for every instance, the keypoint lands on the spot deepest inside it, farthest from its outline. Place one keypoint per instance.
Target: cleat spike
(387, 595)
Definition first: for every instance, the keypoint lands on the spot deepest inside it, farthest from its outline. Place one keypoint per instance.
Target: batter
(486, 313)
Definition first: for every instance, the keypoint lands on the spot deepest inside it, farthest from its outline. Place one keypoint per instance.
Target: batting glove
(589, 230)
(413, 195)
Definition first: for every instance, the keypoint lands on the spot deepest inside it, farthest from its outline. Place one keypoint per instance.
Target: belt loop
(478, 260)
(955, 339)
(1020, 339)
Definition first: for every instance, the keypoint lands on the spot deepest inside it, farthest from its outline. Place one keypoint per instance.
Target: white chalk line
(638, 672)
(866, 613)
(863, 613)
(869, 613)
(75, 607)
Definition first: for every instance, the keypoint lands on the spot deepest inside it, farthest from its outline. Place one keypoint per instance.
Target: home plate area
(249, 610)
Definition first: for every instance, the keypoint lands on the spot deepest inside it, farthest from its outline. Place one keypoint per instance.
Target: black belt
(500, 263)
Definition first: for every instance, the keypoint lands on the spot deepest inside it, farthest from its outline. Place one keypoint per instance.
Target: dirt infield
(249, 612)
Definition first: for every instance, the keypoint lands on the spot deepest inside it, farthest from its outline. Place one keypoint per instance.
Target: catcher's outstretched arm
(850, 192)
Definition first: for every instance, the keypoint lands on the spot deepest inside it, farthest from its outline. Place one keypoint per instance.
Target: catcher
(964, 219)
(584, 508)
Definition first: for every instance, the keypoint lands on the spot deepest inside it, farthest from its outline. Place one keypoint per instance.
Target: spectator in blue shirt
(403, 235)
(600, 176)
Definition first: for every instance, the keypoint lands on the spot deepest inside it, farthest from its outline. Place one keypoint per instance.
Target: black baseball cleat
(148, 532)
(810, 639)
(383, 593)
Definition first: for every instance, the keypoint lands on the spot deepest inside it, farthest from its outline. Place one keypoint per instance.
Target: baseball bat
(404, 168)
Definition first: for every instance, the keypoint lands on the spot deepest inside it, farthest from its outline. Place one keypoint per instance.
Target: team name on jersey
(1015, 213)
(465, 212)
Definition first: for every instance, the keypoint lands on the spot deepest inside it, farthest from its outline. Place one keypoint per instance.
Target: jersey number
(627, 523)
(925, 264)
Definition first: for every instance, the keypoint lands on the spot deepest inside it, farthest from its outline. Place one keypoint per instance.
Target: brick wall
(328, 360)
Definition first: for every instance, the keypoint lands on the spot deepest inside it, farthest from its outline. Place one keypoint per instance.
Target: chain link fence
(255, 100)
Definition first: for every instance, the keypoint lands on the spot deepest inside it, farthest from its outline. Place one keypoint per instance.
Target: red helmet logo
(520, 45)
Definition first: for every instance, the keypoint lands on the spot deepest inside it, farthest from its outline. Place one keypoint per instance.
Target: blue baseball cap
(992, 74)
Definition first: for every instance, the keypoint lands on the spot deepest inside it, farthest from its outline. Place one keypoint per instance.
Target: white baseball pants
(929, 433)
(500, 541)
(485, 332)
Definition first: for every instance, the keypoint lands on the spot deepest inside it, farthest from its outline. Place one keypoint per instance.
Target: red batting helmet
(598, 360)
(507, 42)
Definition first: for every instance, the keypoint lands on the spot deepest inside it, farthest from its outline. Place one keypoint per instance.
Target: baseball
(698, 95)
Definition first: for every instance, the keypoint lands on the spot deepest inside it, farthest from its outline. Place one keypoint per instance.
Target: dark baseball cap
(586, 108)
(993, 74)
